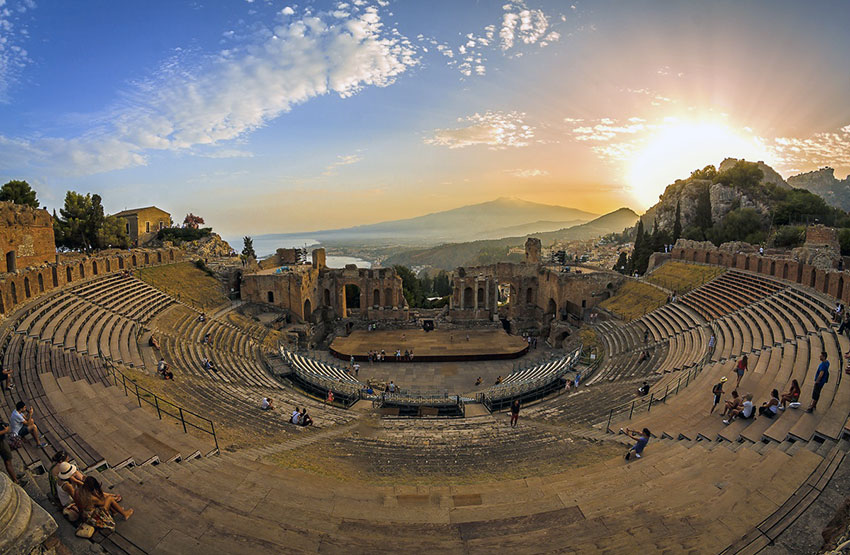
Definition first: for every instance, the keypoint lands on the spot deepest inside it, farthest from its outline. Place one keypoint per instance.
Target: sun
(678, 148)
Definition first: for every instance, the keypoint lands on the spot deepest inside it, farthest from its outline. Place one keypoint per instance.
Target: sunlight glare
(679, 148)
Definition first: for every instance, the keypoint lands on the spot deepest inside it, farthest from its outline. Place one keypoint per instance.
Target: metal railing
(161, 405)
(655, 397)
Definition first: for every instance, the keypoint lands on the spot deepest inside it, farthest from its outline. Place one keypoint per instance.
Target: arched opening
(529, 296)
(55, 273)
(825, 282)
(27, 287)
(327, 297)
(812, 278)
(552, 307)
(121, 263)
(14, 290)
(68, 277)
(468, 301)
(839, 292)
(388, 297)
(2, 305)
(352, 296)
(747, 263)
(82, 270)
(270, 296)
(799, 273)
(147, 259)
(707, 257)
(159, 257)
(40, 283)
(308, 311)
(171, 255)
(758, 266)
(480, 297)
(772, 267)
(94, 267)
(560, 337)
(376, 298)
(108, 266)
(785, 271)
(135, 263)
(694, 256)
(11, 261)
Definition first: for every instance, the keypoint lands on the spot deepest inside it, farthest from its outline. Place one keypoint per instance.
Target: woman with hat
(69, 481)
(717, 390)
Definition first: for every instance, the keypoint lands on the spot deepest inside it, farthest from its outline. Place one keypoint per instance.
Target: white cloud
(235, 92)
(528, 26)
(13, 56)
(527, 173)
(496, 130)
(344, 160)
(820, 149)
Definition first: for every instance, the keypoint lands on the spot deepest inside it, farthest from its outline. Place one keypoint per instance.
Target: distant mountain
(460, 224)
(527, 229)
(451, 255)
(824, 183)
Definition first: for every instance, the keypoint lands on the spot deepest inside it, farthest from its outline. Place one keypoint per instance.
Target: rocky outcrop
(824, 183)
(770, 175)
(212, 246)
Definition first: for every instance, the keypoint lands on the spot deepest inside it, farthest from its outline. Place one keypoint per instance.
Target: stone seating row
(729, 292)
(318, 367)
(712, 508)
(222, 335)
(126, 296)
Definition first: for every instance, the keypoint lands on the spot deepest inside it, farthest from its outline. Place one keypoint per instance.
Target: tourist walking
(821, 377)
(717, 390)
(743, 364)
(514, 413)
(642, 439)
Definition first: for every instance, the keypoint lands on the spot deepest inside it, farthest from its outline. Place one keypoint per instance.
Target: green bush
(789, 236)
(179, 235)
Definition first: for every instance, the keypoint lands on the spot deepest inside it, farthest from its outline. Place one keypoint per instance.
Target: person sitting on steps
(732, 404)
(478, 381)
(267, 404)
(641, 440)
(793, 395)
(644, 389)
(304, 419)
(746, 411)
(770, 408)
(23, 426)
(296, 416)
(96, 506)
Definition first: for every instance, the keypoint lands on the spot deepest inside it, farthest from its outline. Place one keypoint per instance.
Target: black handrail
(143, 394)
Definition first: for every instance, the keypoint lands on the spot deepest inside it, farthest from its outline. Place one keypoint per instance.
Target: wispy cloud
(344, 160)
(13, 35)
(496, 130)
(527, 173)
(820, 149)
(234, 92)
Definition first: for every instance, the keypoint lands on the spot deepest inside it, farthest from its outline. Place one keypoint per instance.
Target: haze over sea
(267, 246)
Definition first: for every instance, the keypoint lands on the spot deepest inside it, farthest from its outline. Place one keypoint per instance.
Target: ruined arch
(812, 278)
(376, 297)
(147, 259)
(467, 297)
(135, 263)
(389, 297)
(707, 257)
(785, 271)
(159, 257)
(552, 307)
(94, 267)
(839, 292)
(327, 297)
(120, 262)
(171, 255)
(352, 295)
(14, 290)
(308, 310)
(270, 296)
(68, 275)
(40, 283)
(27, 292)
(480, 297)
(529, 296)
(772, 267)
(82, 271)
(826, 283)
(55, 276)
(108, 266)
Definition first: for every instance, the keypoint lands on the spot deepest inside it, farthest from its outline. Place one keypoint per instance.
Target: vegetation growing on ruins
(179, 235)
(681, 277)
(418, 289)
(18, 192)
(186, 282)
(634, 299)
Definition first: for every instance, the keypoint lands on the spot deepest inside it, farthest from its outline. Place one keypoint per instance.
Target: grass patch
(186, 282)
(681, 277)
(634, 299)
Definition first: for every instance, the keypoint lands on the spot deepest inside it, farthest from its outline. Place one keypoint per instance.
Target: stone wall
(22, 286)
(827, 281)
(26, 237)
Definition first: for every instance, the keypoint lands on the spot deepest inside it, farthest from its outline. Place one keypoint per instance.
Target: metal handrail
(160, 404)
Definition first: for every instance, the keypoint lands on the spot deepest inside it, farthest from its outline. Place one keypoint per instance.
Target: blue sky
(271, 116)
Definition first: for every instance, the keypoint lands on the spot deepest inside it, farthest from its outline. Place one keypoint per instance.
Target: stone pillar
(475, 293)
(462, 294)
(487, 294)
(27, 525)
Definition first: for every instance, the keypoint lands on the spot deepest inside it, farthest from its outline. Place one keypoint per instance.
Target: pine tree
(677, 225)
(640, 239)
(248, 248)
(622, 263)
(702, 218)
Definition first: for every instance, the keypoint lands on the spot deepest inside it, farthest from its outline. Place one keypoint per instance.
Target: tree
(743, 175)
(410, 286)
(18, 192)
(248, 247)
(677, 224)
(622, 263)
(702, 218)
(113, 234)
(192, 221)
(708, 172)
(74, 228)
(442, 286)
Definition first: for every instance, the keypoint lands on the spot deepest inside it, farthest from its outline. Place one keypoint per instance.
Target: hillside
(451, 255)
(488, 220)
(824, 183)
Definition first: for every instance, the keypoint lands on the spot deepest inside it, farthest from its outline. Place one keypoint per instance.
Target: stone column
(462, 294)
(475, 293)
(487, 294)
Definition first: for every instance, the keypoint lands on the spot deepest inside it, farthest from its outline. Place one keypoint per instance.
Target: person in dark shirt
(717, 390)
(642, 439)
(821, 377)
(514, 413)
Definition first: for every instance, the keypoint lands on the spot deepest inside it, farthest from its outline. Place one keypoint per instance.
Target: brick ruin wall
(27, 235)
(19, 287)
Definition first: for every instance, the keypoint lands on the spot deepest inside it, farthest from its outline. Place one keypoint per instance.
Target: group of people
(82, 498)
(163, 370)
(381, 356)
(300, 417)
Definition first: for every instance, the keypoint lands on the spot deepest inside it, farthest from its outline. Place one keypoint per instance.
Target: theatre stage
(432, 346)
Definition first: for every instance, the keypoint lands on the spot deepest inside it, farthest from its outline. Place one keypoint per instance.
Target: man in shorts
(6, 455)
(641, 440)
(717, 390)
(23, 426)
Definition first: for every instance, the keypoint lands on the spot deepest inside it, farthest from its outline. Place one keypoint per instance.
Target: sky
(267, 116)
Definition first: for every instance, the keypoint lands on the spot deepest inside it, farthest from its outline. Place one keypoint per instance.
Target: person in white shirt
(23, 426)
(746, 411)
(296, 416)
(267, 404)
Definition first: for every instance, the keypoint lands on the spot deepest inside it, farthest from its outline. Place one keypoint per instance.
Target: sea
(267, 246)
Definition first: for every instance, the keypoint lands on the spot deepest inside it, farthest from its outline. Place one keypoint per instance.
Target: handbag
(85, 531)
(15, 442)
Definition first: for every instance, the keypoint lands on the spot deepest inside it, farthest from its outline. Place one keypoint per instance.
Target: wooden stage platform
(431, 346)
